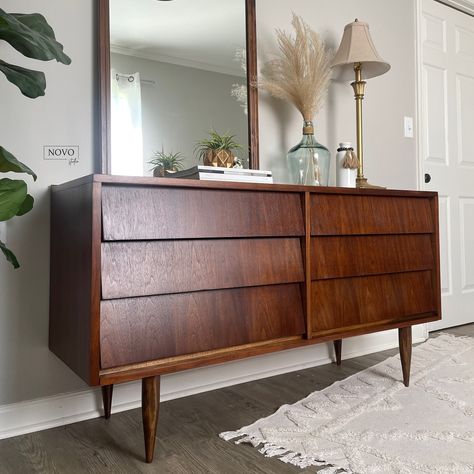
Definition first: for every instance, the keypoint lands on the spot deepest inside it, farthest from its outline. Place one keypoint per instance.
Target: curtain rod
(127, 76)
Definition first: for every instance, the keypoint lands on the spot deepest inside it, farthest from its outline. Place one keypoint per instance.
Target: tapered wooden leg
(405, 343)
(107, 391)
(150, 409)
(338, 350)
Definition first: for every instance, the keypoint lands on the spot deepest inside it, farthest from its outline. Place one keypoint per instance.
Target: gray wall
(66, 117)
(390, 159)
(183, 105)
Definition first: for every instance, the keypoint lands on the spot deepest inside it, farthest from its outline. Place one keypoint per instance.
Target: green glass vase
(308, 162)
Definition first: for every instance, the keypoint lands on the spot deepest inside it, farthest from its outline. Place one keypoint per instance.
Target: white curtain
(126, 125)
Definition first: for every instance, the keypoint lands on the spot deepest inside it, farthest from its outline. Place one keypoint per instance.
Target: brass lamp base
(359, 88)
(362, 183)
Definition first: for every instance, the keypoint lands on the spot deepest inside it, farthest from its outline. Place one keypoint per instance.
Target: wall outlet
(408, 126)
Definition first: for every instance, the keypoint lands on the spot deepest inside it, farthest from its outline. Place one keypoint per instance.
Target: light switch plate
(408, 125)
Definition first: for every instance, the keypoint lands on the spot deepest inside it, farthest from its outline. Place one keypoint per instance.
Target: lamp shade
(357, 47)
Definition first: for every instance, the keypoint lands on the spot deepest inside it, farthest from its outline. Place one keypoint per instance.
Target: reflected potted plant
(217, 150)
(169, 162)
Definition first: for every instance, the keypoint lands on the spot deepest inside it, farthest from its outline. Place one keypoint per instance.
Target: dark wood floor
(187, 432)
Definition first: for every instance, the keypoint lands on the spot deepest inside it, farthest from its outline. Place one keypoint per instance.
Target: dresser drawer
(346, 302)
(352, 255)
(167, 266)
(134, 330)
(353, 214)
(149, 213)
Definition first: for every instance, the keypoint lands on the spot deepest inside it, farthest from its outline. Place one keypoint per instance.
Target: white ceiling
(197, 33)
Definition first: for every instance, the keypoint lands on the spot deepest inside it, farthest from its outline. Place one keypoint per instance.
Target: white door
(447, 148)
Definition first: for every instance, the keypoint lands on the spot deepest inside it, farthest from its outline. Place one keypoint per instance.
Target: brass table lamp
(357, 57)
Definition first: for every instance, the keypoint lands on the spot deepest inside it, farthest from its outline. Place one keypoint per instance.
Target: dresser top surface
(202, 184)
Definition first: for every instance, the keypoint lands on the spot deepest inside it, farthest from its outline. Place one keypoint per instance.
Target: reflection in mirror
(177, 74)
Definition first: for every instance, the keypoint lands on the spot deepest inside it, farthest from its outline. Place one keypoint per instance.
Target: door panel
(447, 127)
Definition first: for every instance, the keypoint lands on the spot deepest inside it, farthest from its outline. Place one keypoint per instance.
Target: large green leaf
(36, 22)
(31, 83)
(26, 206)
(32, 36)
(12, 196)
(9, 255)
(9, 163)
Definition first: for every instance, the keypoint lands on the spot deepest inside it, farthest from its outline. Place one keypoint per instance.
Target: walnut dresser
(152, 276)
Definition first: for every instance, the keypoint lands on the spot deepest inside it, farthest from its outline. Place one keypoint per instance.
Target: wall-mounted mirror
(171, 72)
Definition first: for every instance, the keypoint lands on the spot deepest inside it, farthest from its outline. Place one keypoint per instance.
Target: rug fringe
(229, 435)
(271, 450)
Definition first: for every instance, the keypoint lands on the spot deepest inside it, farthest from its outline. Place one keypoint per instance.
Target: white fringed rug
(371, 423)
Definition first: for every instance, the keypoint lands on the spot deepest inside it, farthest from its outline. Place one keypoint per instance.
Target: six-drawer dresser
(151, 276)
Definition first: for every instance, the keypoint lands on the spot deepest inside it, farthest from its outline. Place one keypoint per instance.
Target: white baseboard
(36, 415)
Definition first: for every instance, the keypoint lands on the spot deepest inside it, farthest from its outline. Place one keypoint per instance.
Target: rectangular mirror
(173, 72)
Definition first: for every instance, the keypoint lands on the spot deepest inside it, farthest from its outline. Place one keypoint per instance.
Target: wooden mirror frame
(103, 163)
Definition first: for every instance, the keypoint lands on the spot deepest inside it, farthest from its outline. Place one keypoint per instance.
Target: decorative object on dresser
(368, 423)
(152, 276)
(301, 75)
(213, 173)
(346, 166)
(217, 150)
(357, 57)
(166, 163)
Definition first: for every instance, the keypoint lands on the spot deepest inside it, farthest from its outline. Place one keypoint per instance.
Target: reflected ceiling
(196, 33)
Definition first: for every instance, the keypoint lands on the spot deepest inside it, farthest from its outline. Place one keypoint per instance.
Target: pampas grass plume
(302, 71)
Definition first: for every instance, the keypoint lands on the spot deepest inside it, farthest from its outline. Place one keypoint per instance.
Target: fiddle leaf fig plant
(33, 37)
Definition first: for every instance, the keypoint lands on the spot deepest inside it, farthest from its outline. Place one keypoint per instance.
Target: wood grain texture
(71, 278)
(170, 365)
(179, 266)
(341, 303)
(435, 245)
(147, 213)
(405, 344)
(252, 78)
(228, 185)
(141, 329)
(150, 412)
(348, 214)
(346, 256)
(94, 354)
(307, 252)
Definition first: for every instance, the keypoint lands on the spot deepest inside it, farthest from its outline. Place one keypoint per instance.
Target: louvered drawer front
(337, 257)
(158, 267)
(348, 302)
(352, 214)
(151, 213)
(134, 330)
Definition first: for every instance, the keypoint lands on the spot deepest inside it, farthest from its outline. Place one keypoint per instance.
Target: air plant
(166, 162)
(216, 142)
(302, 71)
